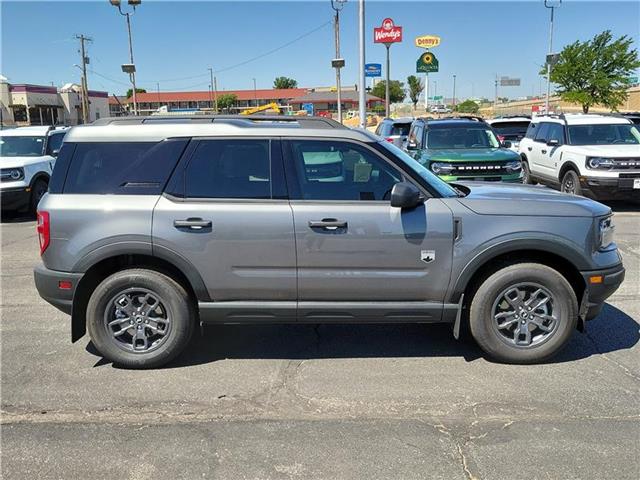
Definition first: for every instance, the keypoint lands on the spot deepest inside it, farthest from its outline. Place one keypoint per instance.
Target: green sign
(427, 63)
(437, 97)
(632, 80)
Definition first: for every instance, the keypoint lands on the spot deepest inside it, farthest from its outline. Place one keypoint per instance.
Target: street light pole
(337, 5)
(362, 99)
(131, 71)
(552, 8)
(255, 93)
(454, 92)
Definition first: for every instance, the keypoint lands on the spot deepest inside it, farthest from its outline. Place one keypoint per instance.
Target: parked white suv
(592, 155)
(27, 157)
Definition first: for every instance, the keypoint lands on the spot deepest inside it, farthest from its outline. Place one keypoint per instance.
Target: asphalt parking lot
(343, 402)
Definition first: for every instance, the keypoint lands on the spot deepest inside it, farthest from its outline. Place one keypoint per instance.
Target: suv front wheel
(571, 183)
(523, 313)
(140, 318)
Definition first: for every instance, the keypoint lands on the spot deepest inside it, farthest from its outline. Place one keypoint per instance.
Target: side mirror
(405, 195)
(553, 142)
(411, 145)
(507, 144)
(54, 153)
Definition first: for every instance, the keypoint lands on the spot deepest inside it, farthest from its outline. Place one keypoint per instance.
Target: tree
(396, 90)
(596, 71)
(415, 89)
(285, 82)
(138, 90)
(226, 101)
(468, 106)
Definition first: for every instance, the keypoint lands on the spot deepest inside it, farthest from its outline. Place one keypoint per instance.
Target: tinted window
(230, 169)
(511, 130)
(328, 170)
(124, 168)
(531, 131)
(416, 134)
(543, 131)
(55, 142)
(556, 132)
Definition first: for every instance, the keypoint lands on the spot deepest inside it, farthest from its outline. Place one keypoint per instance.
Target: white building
(25, 104)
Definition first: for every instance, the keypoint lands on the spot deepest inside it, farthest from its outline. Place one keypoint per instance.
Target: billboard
(388, 32)
(427, 63)
(509, 82)
(427, 41)
(373, 70)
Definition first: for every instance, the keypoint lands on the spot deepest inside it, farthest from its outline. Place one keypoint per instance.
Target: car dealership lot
(335, 401)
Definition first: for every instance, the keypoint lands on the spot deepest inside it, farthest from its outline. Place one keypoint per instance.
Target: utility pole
(548, 5)
(211, 91)
(255, 93)
(362, 99)
(158, 91)
(454, 92)
(338, 63)
(83, 82)
(495, 102)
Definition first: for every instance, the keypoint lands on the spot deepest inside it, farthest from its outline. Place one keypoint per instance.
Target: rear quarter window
(531, 131)
(125, 168)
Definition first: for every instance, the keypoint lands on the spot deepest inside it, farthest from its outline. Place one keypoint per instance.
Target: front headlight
(11, 174)
(606, 231)
(514, 166)
(440, 168)
(600, 163)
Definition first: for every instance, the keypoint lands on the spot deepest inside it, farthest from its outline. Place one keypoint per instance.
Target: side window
(542, 133)
(125, 168)
(531, 131)
(230, 169)
(54, 143)
(556, 132)
(329, 170)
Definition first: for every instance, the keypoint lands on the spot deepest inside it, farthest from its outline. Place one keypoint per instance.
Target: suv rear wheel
(140, 318)
(523, 313)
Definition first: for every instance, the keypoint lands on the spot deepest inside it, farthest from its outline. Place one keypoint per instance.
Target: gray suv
(154, 225)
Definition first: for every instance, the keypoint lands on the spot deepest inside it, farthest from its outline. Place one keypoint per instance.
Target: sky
(175, 42)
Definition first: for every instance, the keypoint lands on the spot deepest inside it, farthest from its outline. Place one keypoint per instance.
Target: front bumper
(15, 198)
(48, 285)
(611, 188)
(596, 293)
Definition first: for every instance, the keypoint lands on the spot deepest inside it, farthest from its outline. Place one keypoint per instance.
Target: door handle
(192, 223)
(529, 148)
(543, 151)
(328, 224)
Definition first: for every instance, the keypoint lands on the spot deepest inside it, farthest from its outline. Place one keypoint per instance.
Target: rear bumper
(597, 293)
(48, 285)
(608, 188)
(15, 198)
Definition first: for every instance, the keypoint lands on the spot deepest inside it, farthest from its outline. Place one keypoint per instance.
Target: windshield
(15, 146)
(443, 188)
(604, 134)
(440, 138)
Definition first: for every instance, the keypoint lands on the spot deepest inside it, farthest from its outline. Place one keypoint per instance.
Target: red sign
(387, 33)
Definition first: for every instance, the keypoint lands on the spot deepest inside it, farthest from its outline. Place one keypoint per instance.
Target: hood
(527, 200)
(471, 154)
(15, 162)
(608, 151)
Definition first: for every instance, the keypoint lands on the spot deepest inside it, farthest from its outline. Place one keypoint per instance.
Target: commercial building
(26, 104)
(288, 100)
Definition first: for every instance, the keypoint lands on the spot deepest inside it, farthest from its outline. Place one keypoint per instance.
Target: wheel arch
(566, 166)
(168, 263)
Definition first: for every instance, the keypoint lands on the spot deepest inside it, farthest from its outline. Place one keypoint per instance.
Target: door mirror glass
(405, 195)
(54, 153)
(507, 144)
(553, 142)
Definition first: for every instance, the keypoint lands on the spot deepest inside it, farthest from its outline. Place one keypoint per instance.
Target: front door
(227, 214)
(352, 246)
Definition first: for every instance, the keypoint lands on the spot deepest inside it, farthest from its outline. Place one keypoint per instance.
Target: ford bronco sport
(593, 155)
(462, 148)
(152, 225)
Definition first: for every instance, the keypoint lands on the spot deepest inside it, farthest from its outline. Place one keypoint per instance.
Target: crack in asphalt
(622, 367)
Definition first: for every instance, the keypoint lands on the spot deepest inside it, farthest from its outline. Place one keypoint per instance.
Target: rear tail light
(44, 230)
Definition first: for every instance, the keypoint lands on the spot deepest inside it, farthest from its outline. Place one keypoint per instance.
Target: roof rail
(456, 117)
(240, 120)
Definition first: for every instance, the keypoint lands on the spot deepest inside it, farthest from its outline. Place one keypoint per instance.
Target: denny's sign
(387, 32)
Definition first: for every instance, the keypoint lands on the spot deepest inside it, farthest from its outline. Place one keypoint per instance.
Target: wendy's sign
(387, 33)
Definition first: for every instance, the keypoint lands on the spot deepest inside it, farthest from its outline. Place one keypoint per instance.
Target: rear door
(226, 213)
(352, 246)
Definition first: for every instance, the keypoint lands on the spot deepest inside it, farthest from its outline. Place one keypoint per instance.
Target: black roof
(459, 121)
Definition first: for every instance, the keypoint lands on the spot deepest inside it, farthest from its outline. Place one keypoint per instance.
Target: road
(328, 402)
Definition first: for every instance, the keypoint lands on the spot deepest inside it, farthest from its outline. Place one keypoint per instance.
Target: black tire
(498, 343)
(571, 183)
(39, 188)
(172, 299)
(526, 173)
